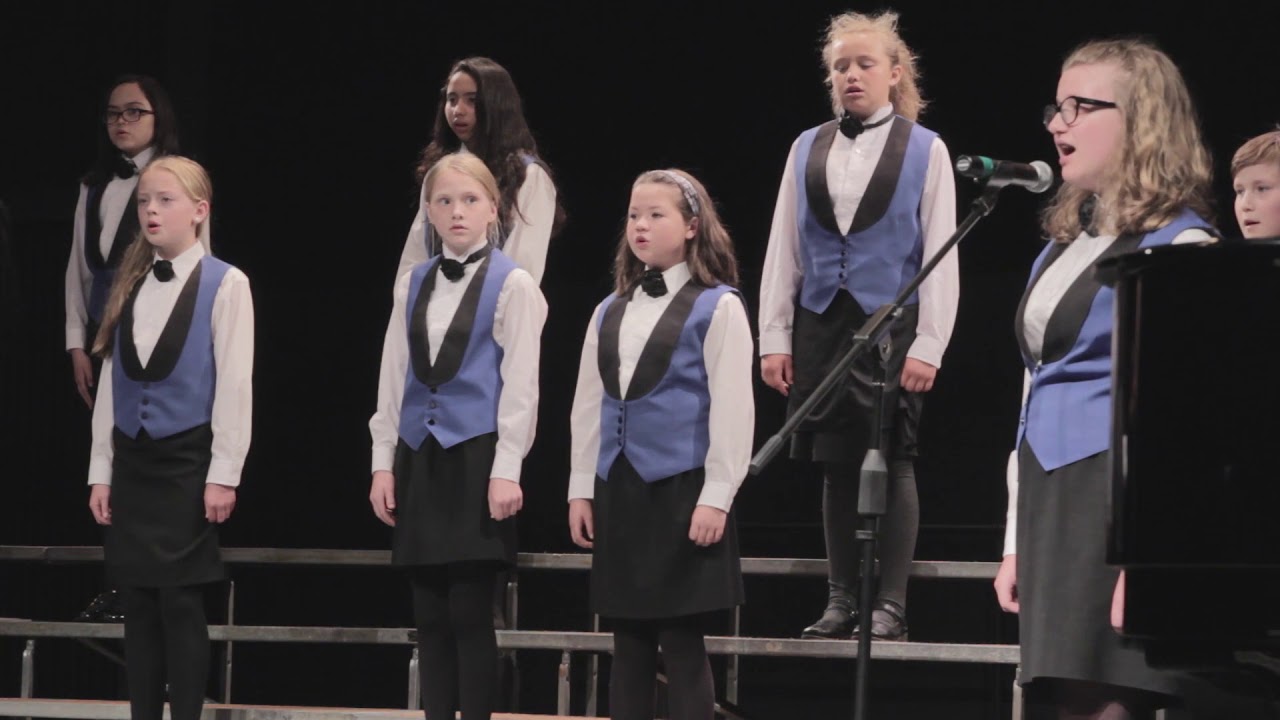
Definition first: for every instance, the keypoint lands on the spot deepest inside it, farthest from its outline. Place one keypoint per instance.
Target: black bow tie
(653, 283)
(124, 168)
(453, 269)
(163, 270)
(851, 127)
(1088, 209)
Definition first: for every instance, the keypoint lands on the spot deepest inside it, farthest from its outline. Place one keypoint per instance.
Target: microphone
(1035, 177)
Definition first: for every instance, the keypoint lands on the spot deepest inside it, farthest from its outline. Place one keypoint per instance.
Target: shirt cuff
(718, 495)
(99, 471)
(506, 466)
(1010, 539)
(75, 339)
(384, 458)
(773, 342)
(582, 485)
(224, 472)
(927, 349)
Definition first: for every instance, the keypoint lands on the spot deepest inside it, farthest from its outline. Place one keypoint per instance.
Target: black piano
(1195, 513)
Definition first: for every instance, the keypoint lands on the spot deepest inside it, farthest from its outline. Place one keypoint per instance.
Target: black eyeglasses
(1069, 108)
(129, 115)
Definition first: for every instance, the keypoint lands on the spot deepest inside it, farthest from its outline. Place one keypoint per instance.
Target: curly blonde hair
(1162, 166)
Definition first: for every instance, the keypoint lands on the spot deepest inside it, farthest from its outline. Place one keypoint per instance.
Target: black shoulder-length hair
(164, 141)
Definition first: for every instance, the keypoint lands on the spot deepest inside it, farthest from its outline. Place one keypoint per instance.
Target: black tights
(457, 648)
(691, 695)
(166, 638)
(897, 542)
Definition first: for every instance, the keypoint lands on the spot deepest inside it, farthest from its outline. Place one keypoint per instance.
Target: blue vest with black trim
(174, 392)
(103, 270)
(456, 398)
(661, 423)
(884, 247)
(1067, 415)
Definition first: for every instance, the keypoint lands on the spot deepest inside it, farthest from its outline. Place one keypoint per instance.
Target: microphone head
(974, 166)
(1044, 177)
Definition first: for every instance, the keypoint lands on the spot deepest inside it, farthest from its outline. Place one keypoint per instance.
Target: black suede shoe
(839, 622)
(107, 607)
(888, 621)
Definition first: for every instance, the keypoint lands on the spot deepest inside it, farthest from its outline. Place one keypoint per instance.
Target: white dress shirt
(232, 327)
(530, 232)
(727, 353)
(850, 165)
(79, 279)
(517, 328)
(1077, 259)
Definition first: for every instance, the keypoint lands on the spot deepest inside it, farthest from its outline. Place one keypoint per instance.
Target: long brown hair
(1162, 166)
(501, 138)
(137, 259)
(709, 252)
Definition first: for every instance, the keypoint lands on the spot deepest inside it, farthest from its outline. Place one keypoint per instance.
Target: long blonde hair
(709, 252)
(137, 259)
(1162, 166)
(905, 96)
(474, 168)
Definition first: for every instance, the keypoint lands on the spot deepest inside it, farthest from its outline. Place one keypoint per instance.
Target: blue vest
(456, 398)
(103, 270)
(661, 424)
(1067, 416)
(174, 392)
(883, 249)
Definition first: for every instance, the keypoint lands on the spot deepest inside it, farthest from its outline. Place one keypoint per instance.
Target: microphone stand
(874, 477)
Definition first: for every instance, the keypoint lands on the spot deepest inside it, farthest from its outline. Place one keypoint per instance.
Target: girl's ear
(202, 211)
(692, 232)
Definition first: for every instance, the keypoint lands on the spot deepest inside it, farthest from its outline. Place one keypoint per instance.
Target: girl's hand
(382, 496)
(82, 373)
(100, 503)
(219, 501)
(505, 498)
(707, 526)
(582, 523)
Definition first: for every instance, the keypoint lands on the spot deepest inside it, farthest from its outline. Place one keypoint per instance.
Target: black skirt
(644, 565)
(1064, 583)
(158, 536)
(442, 505)
(842, 426)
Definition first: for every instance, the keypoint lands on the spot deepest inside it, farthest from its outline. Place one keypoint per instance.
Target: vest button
(433, 405)
(619, 442)
(434, 390)
(432, 421)
(619, 432)
(146, 401)
(841, 275)
(145, 416)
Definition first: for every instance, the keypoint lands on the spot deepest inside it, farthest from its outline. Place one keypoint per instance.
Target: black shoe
(888, 621)
(107, 607)
(837, 623)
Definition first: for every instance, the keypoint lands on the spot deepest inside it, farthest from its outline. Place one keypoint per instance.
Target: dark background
(310, 120)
